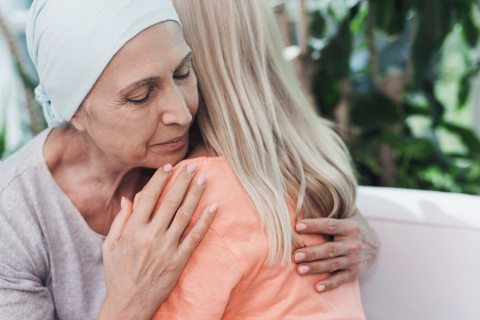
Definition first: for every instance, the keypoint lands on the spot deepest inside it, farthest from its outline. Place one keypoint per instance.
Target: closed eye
(141, 100)
(182, 76)
(184, 70)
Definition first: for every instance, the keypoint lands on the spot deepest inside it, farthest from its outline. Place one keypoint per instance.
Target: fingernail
(167, 168)
(303, 269)
(201, 180)
(299, 256)
(213, 208)
(320, 287)
(301, 226)
(123, 203)
(135, 200)
(191, 168)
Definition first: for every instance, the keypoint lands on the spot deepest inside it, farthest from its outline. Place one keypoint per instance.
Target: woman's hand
(354, 247)
(143, 253)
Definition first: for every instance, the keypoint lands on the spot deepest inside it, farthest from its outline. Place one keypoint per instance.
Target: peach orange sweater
(228, 277)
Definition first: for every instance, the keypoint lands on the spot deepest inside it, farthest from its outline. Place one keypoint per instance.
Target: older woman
(60, 193)
(117, 85)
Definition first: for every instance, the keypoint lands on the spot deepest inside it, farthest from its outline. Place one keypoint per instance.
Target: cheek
(121, 132)
(125, 141)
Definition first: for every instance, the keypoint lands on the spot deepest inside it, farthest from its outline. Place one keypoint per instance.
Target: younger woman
(270, 160)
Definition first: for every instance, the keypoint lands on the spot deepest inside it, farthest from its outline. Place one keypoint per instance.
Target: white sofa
(429, 264)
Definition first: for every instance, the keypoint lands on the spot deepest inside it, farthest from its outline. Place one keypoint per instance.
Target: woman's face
(141, 108)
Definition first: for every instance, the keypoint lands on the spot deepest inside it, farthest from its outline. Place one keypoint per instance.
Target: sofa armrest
(429, 263)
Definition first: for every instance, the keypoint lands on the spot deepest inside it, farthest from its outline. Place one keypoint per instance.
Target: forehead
(156, 49)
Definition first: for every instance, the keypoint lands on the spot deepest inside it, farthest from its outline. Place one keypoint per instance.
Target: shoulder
(21, 183)
(221, 180)
(237, 222)
(23, 162)
(224, 188)
(208, 165)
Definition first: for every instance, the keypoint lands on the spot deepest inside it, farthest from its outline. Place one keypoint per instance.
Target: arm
(23, 296)
(352, 250)
(23, 266)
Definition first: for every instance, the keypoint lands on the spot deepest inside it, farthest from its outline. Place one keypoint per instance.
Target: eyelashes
(186, 68)
(183, 76)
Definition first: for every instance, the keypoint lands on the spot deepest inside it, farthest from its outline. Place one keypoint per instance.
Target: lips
(174, 140)
(173, 144)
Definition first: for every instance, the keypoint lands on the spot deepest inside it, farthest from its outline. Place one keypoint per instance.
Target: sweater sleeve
(23, 267)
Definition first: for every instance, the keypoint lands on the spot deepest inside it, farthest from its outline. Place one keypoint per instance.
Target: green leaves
(389, 15)
(333, 67)
(317, 24)
(435, 21)
(465, 85)
(467, 136)
(409, 38)
(372, 110)
(471, 32)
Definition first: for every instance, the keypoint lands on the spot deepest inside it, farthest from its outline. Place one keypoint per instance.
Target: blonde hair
(255, 115)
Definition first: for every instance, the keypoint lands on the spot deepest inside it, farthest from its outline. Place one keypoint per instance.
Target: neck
(94, 181)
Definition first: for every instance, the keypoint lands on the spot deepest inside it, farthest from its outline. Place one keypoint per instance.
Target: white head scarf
(72, 41)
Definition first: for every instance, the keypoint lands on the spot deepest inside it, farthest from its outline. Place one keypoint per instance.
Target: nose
(175, 110)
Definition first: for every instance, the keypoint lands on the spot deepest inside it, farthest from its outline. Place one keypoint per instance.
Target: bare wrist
(122, 310)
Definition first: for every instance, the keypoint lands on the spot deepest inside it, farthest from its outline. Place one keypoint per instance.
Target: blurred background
(400, 78)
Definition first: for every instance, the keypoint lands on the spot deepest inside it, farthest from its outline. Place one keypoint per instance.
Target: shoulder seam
(16, 176)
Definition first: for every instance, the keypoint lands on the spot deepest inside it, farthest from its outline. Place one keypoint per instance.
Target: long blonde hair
(255, 115)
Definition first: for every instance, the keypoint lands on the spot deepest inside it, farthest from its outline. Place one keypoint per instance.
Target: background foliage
(380, 72)
(20, 117)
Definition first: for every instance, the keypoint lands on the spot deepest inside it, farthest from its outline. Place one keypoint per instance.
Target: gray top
(50, 260)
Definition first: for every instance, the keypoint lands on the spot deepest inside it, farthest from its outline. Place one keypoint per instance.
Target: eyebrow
(153, 80)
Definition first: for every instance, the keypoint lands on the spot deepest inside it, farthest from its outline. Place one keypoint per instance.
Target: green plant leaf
(435, 22)
(471, 33)
(317, 24)
(374, 110)
(333, 67)
(468, 137)
(390, 15)
(465, 85)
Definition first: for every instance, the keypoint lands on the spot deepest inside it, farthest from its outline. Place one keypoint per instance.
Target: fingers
(326, 251)
(148, 197)
(119, 222)
(327, 226)
(197, 233)
(185, 212)
(335, 281)
(324, 266)
(173, 199)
